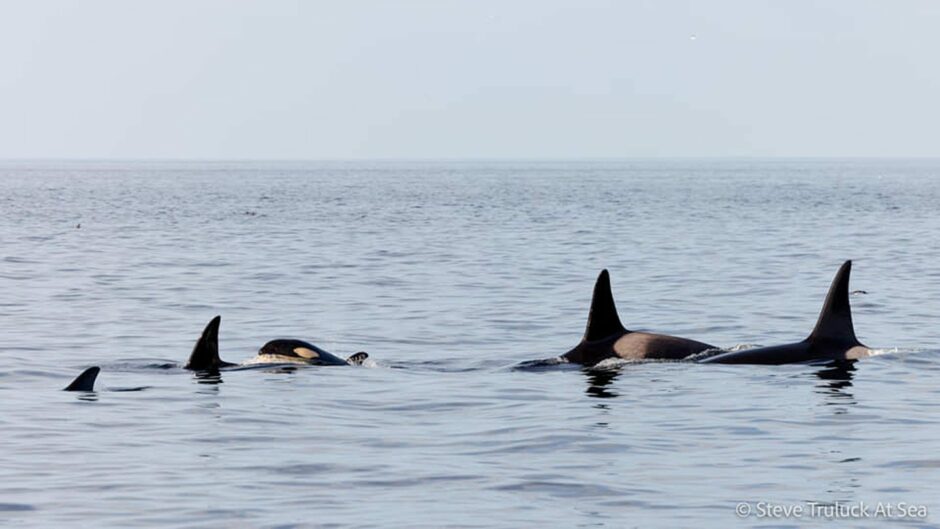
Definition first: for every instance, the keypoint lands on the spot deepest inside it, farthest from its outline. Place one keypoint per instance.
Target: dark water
(448, 274)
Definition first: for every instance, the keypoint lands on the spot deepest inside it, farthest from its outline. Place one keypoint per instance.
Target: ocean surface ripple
(450, 274)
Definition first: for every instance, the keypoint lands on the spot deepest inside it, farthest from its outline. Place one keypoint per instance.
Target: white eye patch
(304, 352)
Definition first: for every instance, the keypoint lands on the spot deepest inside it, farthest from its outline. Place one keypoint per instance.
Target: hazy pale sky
(468, 79)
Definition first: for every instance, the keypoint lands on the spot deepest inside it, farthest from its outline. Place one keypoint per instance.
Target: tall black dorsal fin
(85, 381)
(835, 320)
(602, 320)
(205, 355)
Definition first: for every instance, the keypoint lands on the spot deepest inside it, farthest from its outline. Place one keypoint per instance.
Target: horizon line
(470, 159)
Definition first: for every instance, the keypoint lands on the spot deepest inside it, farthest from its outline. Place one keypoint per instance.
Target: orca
(605, 337)
(301, 352)
(205, 355)
(833, 338)
(85, 381)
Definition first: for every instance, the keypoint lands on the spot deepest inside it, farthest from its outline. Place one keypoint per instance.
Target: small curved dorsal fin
(835, 319)
(205, 353)
(85, 381)
(602, 320)
(357, 359)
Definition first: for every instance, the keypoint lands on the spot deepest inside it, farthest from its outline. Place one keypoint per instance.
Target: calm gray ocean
(449, 274)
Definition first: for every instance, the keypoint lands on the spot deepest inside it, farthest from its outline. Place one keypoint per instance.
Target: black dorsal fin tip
(85, 381)
(835, 319)
(603, 320)
(205, 353)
